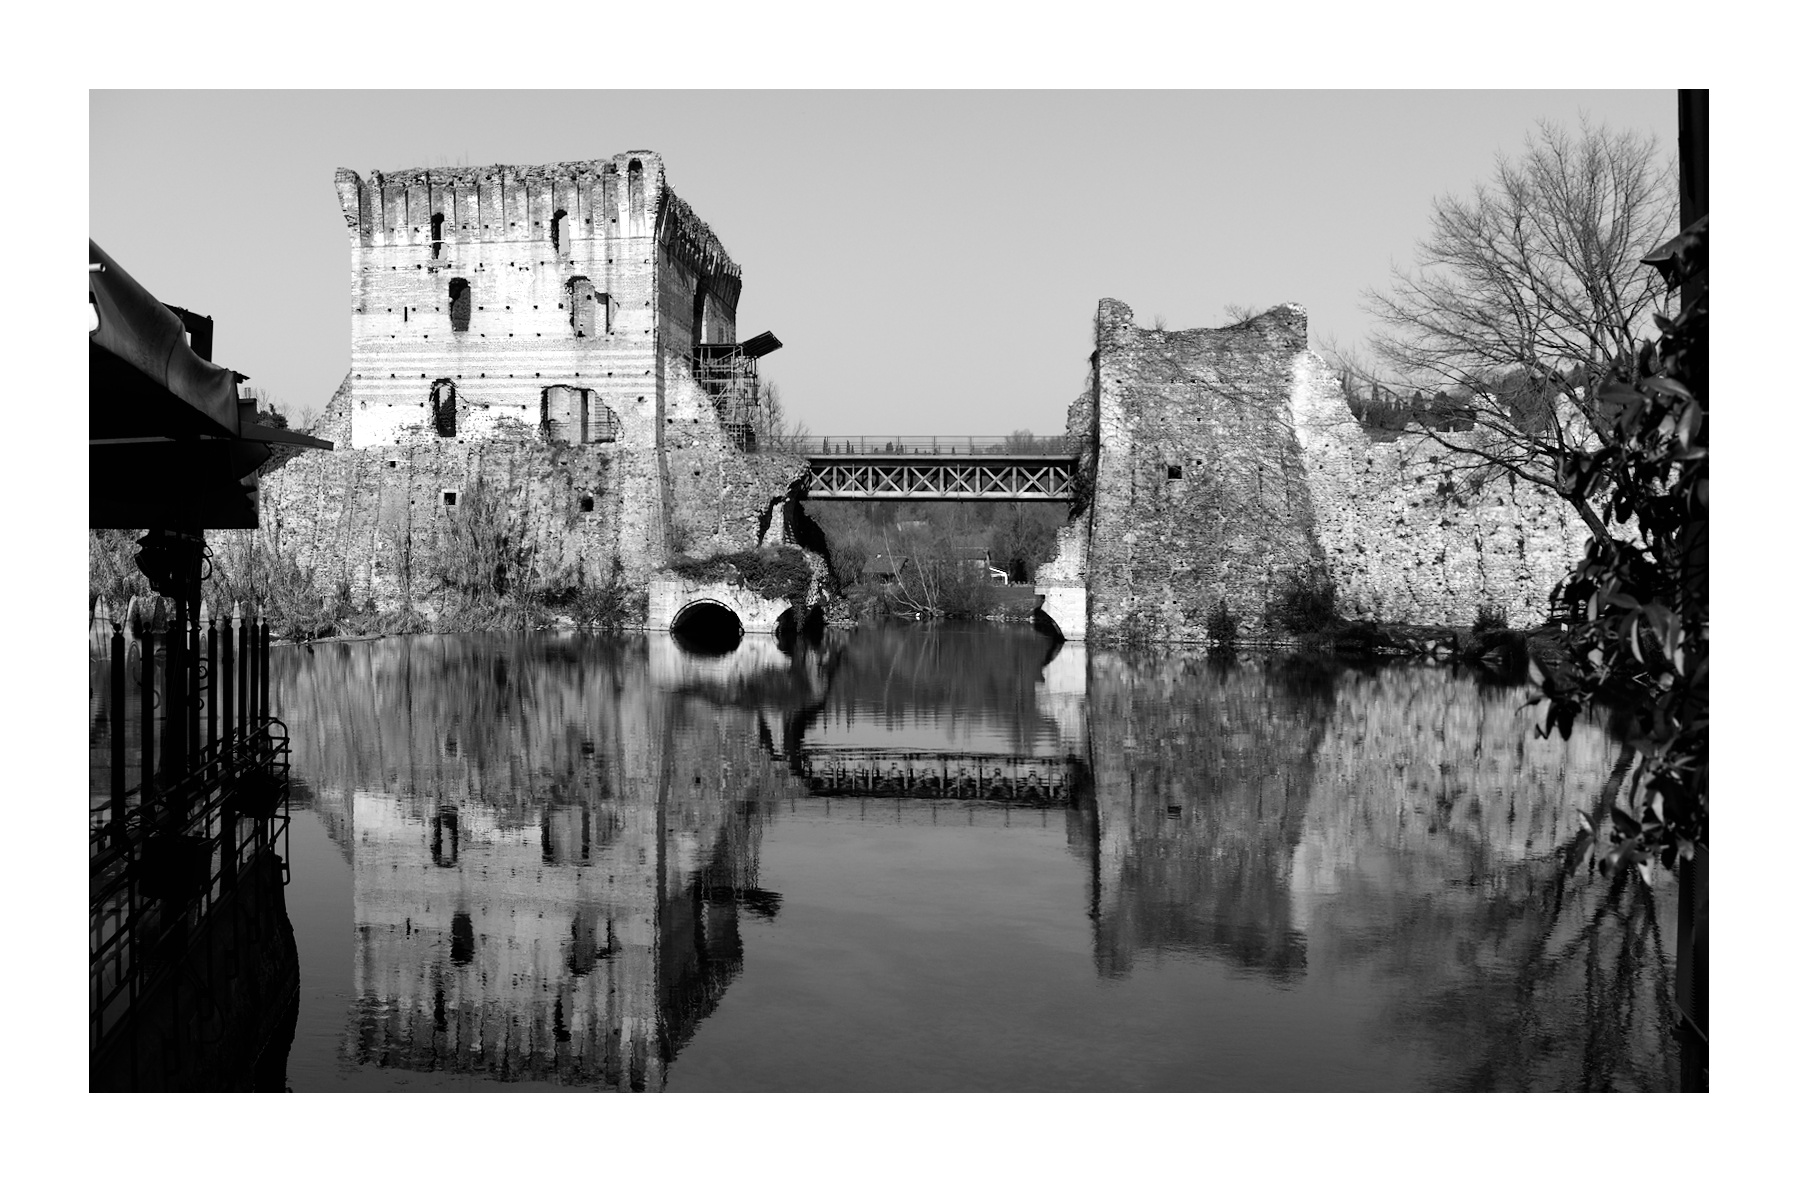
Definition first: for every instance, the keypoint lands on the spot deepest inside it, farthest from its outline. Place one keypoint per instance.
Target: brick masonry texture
(529, 330)
(1222, 463)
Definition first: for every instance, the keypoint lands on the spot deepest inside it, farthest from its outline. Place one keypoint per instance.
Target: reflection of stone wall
(550, 850)
(1417, 759)
(1427, 864)
(1202, 774)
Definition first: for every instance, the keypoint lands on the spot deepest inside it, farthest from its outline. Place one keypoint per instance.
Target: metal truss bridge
(857, 772)
(1018, 468)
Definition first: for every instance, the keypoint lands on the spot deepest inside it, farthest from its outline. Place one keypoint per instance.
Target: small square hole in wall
(587, 505)
(393, 464)
(449, 497)
(1174, 472)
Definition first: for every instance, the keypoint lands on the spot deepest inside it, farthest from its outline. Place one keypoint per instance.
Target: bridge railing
(1018, 444)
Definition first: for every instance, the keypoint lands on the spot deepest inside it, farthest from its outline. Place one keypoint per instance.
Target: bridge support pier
(1062, 585)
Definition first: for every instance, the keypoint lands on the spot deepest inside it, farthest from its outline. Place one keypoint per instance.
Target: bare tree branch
(1519, 299)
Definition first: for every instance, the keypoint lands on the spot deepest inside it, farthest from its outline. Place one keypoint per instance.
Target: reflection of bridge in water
(963, 775)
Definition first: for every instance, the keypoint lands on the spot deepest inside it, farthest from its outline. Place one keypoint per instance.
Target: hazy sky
(931, 259)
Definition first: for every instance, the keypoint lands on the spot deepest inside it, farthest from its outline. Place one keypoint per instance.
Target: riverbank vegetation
(966, 560)
(485, 572)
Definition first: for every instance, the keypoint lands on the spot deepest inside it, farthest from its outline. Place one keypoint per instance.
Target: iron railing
(158, 872)
(210, 796)
(1018, 444)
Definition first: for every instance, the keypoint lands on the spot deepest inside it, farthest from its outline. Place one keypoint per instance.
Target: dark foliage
(775, 573)
(1306, 603)
(1222, 626)
(1640, 596)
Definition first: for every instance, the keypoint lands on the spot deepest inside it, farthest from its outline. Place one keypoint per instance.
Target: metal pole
(212, 682)
(244, 673)
(175, 692)
(118, 728)
(147, 692)
(263, 666)
(193, 679)
(175, 713)
(225, 664)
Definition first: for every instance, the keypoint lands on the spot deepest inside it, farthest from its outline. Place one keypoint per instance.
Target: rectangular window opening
(1174, 472)
(450, 497)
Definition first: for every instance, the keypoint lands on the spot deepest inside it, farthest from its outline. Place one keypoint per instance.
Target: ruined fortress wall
(346, 515)
(1408, 537)
(1220, 463)
(1199, 493)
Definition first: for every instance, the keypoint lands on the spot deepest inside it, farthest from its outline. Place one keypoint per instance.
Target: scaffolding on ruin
(727, 373)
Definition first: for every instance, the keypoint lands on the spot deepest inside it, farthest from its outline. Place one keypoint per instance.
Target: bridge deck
(940, 477)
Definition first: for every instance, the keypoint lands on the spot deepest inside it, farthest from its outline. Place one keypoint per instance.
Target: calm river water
(922, 858)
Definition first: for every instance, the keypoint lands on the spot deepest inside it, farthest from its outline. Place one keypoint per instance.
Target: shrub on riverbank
(1222, 626)
(1306, 603)
(774, 573)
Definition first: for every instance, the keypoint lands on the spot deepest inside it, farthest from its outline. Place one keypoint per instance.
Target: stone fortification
(531, 334)
(350, 517)
(1410, 534)
(486, 301)
(1222, 465)
(1196, 492)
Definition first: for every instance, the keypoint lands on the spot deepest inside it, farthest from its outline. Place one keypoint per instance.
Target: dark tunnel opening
(706, 628)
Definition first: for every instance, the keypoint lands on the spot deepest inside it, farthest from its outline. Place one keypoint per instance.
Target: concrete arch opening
(706, 627)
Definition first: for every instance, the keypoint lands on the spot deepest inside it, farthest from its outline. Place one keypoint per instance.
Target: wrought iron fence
(157, 873)
(164, 851)
(1017, 444)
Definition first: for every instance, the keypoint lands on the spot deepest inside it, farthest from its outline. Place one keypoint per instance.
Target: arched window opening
(443, 407)
(559, 241)
(634, 187)
(699, 314)
(574, 414)
(459, 305)
(562, 413)
(584, 306)
(437, 234)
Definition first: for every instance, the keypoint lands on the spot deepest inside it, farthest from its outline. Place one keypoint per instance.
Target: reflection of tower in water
(545, 888)
(576, 947)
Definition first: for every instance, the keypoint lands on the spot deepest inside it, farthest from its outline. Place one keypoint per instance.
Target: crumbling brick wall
(349, 516)
(1218, 464)
(1198, 494)
(1410, 533)
(579, 274)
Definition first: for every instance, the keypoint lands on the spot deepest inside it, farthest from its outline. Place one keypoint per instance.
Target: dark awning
(137, 329)
(169, 442)
(758, 346)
